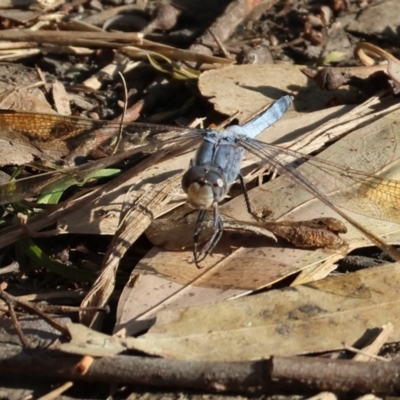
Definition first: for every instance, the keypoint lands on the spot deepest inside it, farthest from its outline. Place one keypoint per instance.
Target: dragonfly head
(204, 187)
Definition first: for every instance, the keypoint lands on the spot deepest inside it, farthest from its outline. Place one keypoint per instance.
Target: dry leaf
(248, 88)
(301, 320)
(141, 210)
(364, 50)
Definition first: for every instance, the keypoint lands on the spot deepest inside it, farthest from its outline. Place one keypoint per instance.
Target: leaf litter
(245, 267)
(168, 280)
(312, 318)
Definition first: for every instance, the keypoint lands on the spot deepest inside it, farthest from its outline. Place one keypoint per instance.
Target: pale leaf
(318, 317)
(304, 319)
(248, 88)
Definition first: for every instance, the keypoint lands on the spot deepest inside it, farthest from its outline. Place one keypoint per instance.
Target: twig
(70, 309)
(225, 25)
(115, 40)
(291, 373)
(13, 267)
(34, 310)
(219, 44)
(119, 137)
(364, 353)
(57, 392)
(15, 321)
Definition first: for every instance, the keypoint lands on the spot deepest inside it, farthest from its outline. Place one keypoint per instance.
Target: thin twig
(364, 353)
(57, 392)
(119, 137)
(15, 321)
(219, 44)
(34, 310)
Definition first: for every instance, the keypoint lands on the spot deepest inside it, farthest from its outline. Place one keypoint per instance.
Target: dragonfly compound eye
(204, 187)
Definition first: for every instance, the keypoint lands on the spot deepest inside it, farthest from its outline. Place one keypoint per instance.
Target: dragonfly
(213, 170)
(216, 167)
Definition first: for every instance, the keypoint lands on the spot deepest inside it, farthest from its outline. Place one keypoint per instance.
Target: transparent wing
(65, 133)
(176, 143)
(353, 190)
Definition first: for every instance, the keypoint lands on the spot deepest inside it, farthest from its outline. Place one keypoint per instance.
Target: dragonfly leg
(196, 254)
(218, 229)
(247, 200)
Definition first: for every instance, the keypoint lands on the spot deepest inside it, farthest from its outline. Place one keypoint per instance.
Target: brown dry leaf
(364, 50)
(248, 88)
(101, 345)
(139, 213)
(16, 155)
(305, 319)
(22, 92)
(146, 294)
(239, 264)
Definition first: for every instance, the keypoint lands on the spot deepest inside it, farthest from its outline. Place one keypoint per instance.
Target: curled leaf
(166, 66)
(367, 52)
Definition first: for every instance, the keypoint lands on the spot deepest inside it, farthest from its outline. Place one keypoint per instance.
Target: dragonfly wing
(362, 193)
(62, 134)
(19, 189)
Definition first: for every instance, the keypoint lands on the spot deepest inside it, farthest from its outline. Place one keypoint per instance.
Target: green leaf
(51, 194)
(27, 247)
(333, 57)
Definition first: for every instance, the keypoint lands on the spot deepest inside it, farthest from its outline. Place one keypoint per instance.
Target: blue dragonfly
(216, 167)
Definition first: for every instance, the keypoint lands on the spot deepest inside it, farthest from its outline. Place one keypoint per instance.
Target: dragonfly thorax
(204, 187)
